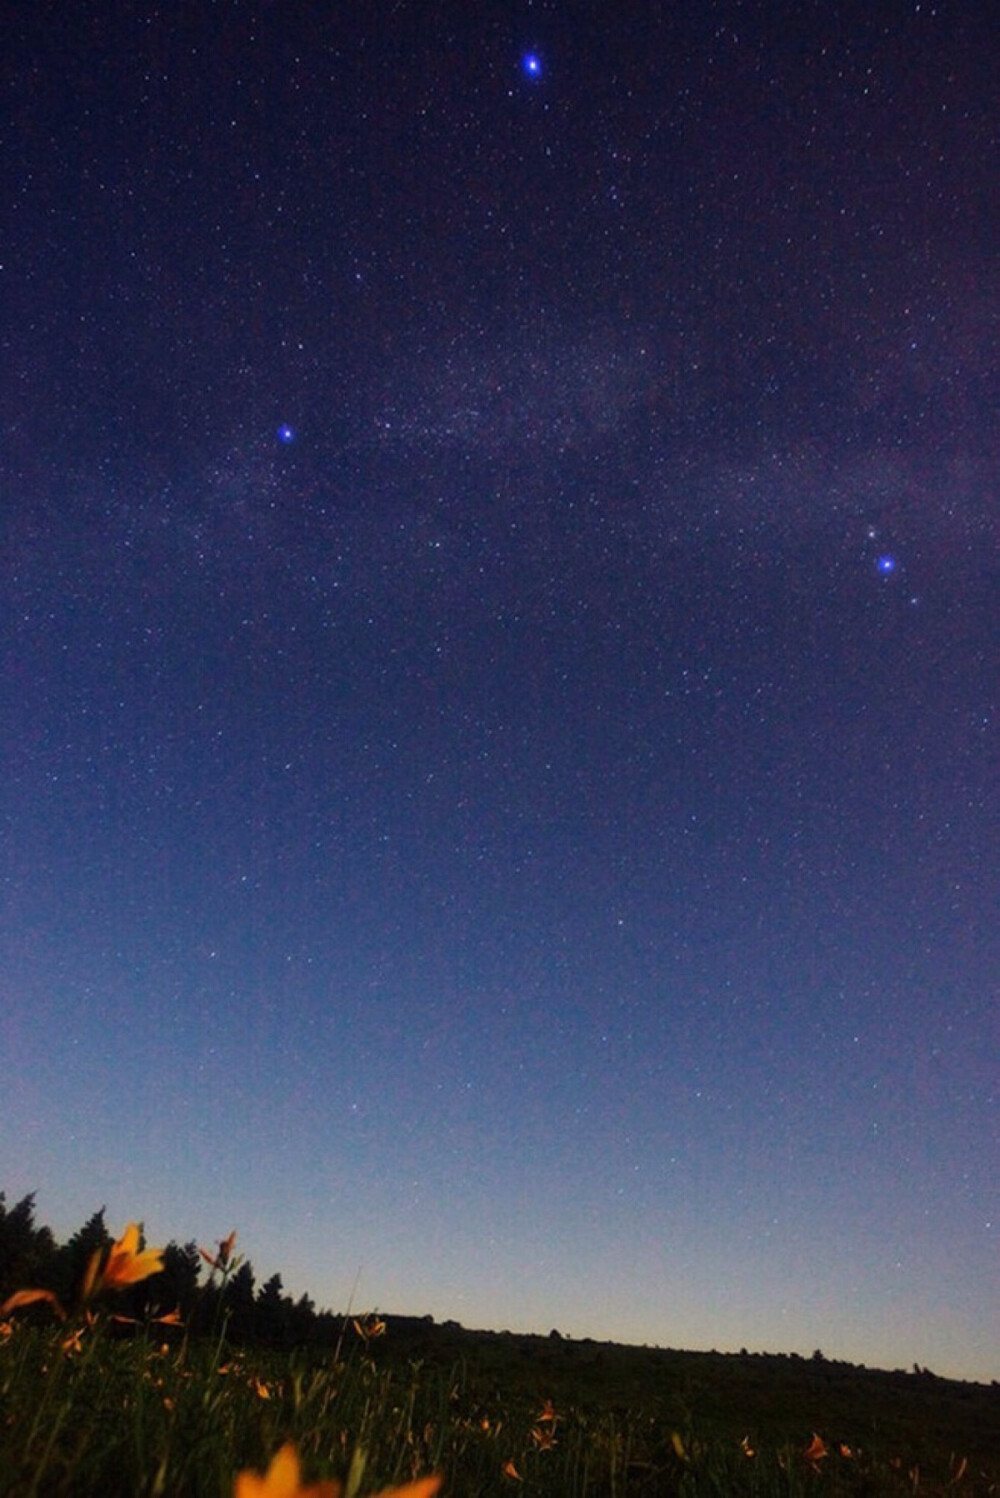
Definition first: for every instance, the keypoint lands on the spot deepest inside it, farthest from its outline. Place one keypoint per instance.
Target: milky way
(499, 586)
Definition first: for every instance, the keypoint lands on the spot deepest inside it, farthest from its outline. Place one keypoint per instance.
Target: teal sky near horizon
(499, 688)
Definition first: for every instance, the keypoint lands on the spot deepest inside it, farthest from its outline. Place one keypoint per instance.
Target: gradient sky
(499, 707)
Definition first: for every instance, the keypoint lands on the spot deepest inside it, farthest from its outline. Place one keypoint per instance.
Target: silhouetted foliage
(25, 1250)
(275, 1313)
(72, 1258)
(176, 1286)
(239, 1304)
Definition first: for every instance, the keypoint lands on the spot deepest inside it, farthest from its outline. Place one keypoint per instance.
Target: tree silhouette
(72, 1258)
(176, 1286)
(238, 1303)
(26, 1252)
(30, 1258)
(273, 1311)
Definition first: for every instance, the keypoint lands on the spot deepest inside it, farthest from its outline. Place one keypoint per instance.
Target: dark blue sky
(499, 589)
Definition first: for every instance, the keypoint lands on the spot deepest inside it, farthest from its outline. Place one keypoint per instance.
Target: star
(885, 564)
(531, 65)
(286, 433)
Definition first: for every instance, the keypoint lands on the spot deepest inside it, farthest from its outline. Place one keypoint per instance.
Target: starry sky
(499, 682)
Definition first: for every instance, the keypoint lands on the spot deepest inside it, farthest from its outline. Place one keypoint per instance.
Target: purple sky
(499, 587)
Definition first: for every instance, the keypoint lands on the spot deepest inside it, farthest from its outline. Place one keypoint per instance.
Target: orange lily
(124, 1265)
(374, 1326)
(73, 1341)
(220, 1261)
(283, 1480)
(29, 1297)
(171, 1318)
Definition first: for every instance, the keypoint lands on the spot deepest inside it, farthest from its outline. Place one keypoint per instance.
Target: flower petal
(29, 1297)
(281, 1480)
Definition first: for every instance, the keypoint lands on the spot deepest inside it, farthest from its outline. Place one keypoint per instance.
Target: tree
(302, 1319)
(26, 1252)
(238, 1302)
(73, 1257)
(273, 1311)
(177, 1283)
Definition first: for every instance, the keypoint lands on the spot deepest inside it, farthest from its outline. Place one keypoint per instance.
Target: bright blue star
(885, 564)
(531, 65)
(286, 433)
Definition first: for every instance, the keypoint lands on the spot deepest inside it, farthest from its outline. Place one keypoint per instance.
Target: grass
(153, 1414)
(94, 1403)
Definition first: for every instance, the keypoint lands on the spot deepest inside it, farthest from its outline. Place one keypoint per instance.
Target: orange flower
(816, 1449)
(373, 1326)
(124, 1265)
(283, 1480)
(29, 1297)
(221, 1260)
(72, 1342)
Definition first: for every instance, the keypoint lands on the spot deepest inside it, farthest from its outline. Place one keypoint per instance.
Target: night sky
(499, 687)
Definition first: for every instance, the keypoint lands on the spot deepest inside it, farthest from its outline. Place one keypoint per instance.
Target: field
(126, 1410)
(142, 1380)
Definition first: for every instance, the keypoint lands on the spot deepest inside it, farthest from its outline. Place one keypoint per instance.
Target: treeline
(206, 1297)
